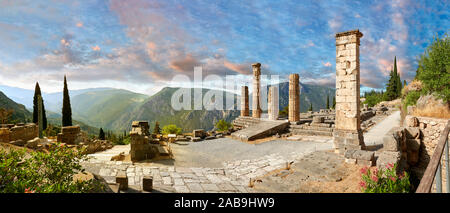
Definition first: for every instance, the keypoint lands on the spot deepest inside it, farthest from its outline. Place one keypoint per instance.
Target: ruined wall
(68, 134)
(24, 132)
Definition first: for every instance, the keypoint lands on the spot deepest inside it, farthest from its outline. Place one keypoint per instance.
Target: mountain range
(115, 109)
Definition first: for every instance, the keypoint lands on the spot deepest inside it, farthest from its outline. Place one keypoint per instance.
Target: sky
(140, 45)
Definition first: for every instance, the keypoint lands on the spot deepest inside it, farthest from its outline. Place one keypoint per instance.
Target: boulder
(387, 157)
(32, 144)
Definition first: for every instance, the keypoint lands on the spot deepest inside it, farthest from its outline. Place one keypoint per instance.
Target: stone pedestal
(273, 108)
(294, 98)
(347, 133)
(245, 111)
(256, 107)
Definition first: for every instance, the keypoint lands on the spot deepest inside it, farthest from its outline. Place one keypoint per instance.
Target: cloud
(96, 48)
(79, 24)
(327, 64)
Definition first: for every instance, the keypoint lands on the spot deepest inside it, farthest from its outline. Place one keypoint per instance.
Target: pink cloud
(327, 64)
(96, 48)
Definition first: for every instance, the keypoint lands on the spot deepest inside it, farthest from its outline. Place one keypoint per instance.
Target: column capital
(350, 32)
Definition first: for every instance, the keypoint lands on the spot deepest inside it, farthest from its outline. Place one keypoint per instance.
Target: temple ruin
(256, 107)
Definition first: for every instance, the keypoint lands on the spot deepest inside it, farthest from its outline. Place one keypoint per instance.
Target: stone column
(245, 111)
(294, 98)
(256, 108)
(347, 132)
(273, 107)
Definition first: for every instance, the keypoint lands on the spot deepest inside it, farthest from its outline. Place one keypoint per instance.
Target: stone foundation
(348, 139)
(20, 132)
(69, 134)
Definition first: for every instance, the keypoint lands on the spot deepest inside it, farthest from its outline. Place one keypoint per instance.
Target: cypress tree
(37, 93)
(101, 135)
(404, 83)
(328, 101)
(398, 81)
(310, 107)
(66, 108)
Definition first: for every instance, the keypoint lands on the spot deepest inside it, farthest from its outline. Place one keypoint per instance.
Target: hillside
(309, 93)
(56, 119)
(20, 114)
(158, 108)
(102, 108)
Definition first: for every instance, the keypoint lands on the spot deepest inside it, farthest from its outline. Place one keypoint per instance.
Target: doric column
(244, 101)
(273, 108)
(347, 133)
(294, 98)
(256, 108)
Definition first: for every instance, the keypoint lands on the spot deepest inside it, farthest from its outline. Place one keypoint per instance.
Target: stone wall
(140, 147)
(69, 134)
(431, 129)
(23, 132)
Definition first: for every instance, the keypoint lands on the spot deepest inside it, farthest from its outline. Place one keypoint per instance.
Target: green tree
(37, 93)
(157, 129)
(101, 135)
(404, 83)
(284, 112)
(334, 102)
(434, 68)
(171, 129)
(66, 108)
(310, 107)
(222, 125)
(328, 101)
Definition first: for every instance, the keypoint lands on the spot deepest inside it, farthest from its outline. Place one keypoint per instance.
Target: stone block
(413, 144)
(412, 133)
(364, 155)
(364, 162)
(122, 180)
(147, 183)
(387, 157)
(32, 144)
(318, 119)
(391, 143)
(411, 121)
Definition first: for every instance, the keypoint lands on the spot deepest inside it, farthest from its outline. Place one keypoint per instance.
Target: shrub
(171, 129)
(222, 125)
(44, 172)
(384, 181)
(411, 98)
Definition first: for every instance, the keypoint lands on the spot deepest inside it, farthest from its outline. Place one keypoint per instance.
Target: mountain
(20, 113)
(52, 101)
(56, 119)
(309, 93)
(101, 108)
(158, 108)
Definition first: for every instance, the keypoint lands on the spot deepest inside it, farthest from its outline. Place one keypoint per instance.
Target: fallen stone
(147, 183)
(196, 139)
(122, 180)
(387, 157)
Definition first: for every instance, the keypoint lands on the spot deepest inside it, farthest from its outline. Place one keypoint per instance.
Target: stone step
(260, 130)
(314, 128)
(311, 132)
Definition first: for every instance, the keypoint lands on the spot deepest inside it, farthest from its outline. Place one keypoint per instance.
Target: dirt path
(375, 135)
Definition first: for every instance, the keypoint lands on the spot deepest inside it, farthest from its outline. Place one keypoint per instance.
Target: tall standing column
(294, 98)
(245, 111)
(347, 133)
(273, 108)
(256, 107)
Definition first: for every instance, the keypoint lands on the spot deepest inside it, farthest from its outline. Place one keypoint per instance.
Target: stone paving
(234, 176)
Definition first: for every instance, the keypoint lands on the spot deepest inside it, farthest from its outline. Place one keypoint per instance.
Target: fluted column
(273, 107)
(244, 101)
(294, 98)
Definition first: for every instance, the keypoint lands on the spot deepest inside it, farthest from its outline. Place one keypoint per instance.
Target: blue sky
(141, 44)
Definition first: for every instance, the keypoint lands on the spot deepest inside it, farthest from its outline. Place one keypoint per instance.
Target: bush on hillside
(171, 129)
(44, 172)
